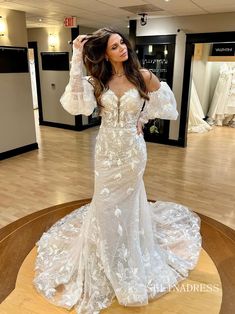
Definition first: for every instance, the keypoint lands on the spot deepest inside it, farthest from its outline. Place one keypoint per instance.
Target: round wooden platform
(209, 288)
(200, 293)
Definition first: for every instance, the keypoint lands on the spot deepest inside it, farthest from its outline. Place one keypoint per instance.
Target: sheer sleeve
(161, 104)
(78, 97)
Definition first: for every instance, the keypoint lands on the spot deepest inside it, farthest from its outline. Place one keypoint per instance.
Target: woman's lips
(124, 54)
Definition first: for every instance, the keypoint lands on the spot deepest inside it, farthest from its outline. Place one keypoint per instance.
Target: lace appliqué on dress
(162, 104)
(78, 97)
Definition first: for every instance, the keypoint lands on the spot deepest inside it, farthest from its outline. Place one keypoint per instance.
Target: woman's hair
(100, 69)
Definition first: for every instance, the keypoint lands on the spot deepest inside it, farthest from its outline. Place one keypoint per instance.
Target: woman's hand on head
(79, 42)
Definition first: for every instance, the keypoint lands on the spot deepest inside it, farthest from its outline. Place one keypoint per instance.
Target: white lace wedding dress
(119, 245)
(196, 124)
(222, 108)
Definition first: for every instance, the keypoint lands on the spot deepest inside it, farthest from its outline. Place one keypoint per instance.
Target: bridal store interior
(212, 88)
(212, 106)
(51, 175)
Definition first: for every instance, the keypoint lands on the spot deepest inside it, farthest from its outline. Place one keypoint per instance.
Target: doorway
(35, 80)
(201, 78)
(212, 88)
(33, 84)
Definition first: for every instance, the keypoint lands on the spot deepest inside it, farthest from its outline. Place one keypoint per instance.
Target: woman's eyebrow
(116, 42)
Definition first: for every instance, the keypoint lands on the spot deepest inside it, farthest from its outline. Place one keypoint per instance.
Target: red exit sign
(70, 21)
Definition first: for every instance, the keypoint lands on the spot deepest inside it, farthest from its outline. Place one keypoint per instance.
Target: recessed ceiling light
(40, 20)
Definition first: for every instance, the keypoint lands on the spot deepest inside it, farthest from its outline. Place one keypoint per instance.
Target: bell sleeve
(161, 104)
(78, 97)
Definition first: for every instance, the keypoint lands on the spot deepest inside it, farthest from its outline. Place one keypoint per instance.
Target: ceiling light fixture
(52, 40)
(165, 51)
(143, 19)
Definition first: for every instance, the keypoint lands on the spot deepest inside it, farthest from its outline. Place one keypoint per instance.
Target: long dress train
(196, 124)
(119, 245)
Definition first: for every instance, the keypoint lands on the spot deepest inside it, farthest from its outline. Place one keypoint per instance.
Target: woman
(119, 245)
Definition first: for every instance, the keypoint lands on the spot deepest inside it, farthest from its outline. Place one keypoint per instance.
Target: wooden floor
(201, 176)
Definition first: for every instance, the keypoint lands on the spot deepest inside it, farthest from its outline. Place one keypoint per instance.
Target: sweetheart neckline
(126, 92)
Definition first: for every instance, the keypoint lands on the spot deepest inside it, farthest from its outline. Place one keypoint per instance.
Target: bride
(119, 245)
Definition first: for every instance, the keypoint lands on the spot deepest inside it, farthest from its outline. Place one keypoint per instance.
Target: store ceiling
(100, 13)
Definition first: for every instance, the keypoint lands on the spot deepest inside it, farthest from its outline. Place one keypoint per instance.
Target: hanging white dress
(223, 103)
(196, 124)
(231, 95)
(119, 245)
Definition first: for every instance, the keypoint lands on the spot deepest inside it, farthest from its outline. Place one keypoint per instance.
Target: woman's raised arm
(78, 97)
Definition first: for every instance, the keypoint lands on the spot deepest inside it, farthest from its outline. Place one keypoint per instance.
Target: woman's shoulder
(151, 80)
(147, 74)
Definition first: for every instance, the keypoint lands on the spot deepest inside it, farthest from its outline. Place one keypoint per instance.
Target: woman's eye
(114, 47)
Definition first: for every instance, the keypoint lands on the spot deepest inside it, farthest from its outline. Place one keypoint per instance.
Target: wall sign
(13, 59)
(55, 61)
(70, 21)
(223, 49)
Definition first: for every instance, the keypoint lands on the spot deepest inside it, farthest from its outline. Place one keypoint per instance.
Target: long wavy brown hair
(100, 69)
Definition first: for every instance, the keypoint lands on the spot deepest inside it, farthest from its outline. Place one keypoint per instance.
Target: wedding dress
(196, 124)
(119, 245)
(222, 108)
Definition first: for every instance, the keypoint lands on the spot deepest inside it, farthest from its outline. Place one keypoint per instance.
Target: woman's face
(116, 50)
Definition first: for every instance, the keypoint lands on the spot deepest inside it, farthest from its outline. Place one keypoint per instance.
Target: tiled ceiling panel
(124, 3)
(147, 8)
(99, 13)
(213, 6)
(179, 7)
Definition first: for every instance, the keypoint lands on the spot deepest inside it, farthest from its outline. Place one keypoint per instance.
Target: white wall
(17, 126)
(223, 22)
(86, 30)
(52, 109)
(187, 24)
(201, 73)
(178, 82)
(16, 34)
